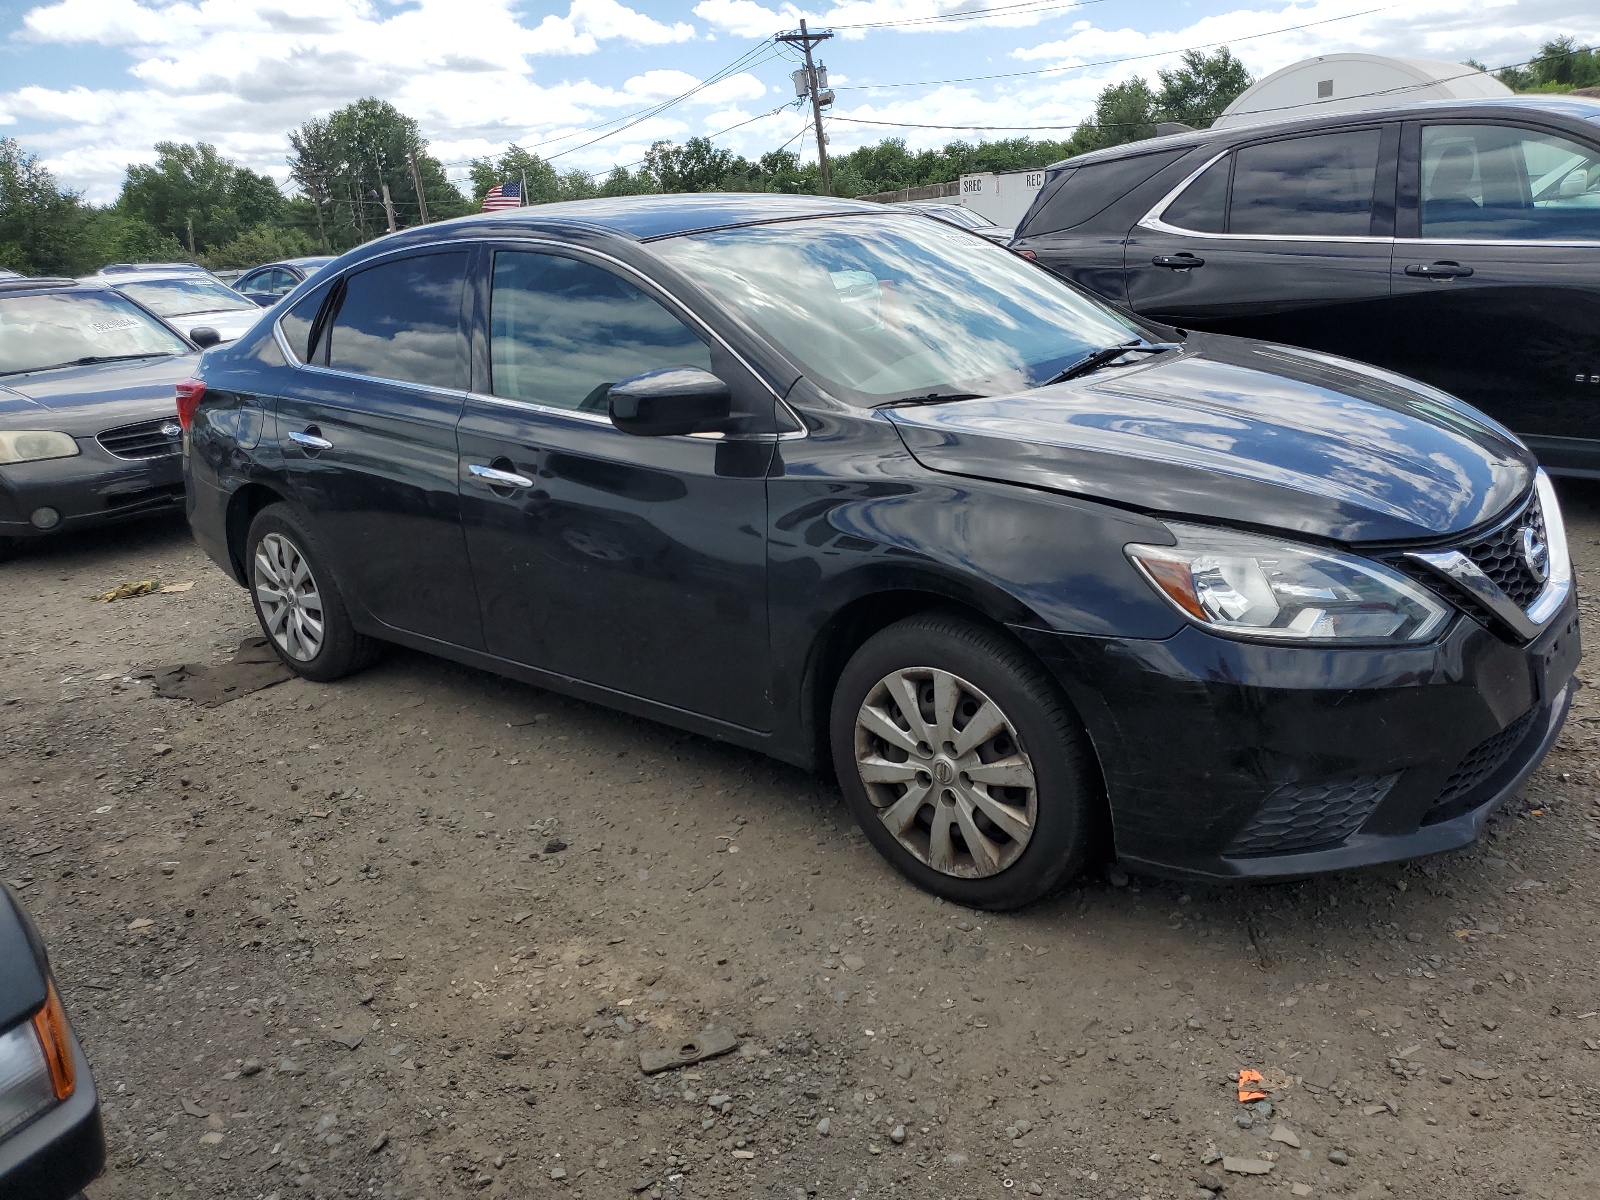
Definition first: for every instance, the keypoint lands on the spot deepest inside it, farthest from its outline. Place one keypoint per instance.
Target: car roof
(140, 268)
(641, 218)
(310, 260)
(49, 283)
(156, 275)
(1554, 105)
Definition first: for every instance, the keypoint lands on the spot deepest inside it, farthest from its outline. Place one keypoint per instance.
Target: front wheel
(297, 602)
(962, 762)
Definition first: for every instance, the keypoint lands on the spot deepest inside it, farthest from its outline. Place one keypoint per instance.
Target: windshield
(184, 297)
(878, 308)
(59, 328)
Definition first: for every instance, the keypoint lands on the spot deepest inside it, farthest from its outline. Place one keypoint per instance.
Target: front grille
(1479, 764)
(147, 439)
(1306, 816)
(1499, 556)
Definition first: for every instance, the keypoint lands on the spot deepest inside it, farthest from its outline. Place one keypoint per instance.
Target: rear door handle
(1178, 262)
(500, 479)
(311, 440)
(1439, 270)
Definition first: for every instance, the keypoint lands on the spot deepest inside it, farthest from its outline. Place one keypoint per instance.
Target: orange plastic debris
(1246, 1092)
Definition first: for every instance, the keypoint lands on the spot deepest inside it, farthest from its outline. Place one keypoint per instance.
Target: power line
(1106, 62)
(975, 14)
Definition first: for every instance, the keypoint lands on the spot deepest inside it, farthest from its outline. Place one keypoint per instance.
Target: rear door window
(1321, 185)
(1502, 183)
(401, 320)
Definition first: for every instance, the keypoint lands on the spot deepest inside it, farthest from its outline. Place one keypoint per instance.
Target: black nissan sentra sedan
(88, 421)
(860, 490)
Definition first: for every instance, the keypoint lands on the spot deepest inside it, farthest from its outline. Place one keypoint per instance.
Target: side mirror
(204, 336)
(674, 400)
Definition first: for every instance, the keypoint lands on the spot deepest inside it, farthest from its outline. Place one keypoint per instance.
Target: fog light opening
(45, 518)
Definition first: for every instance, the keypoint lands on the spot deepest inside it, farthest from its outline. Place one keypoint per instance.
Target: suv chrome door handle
(498, 478)
(1177, 262)
(311, 441)
(1439, 270)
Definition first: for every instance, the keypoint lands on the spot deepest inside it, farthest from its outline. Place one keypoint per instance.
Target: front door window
(1501, 183)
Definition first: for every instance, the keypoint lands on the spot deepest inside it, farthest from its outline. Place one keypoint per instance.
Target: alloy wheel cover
(290, 600)
(946, 772)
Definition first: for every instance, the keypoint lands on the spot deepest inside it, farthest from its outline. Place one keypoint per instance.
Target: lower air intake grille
(1305, 816)
(147, 439)
(1482, 761)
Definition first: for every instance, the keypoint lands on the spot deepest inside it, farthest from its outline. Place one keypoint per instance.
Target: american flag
(503, 195)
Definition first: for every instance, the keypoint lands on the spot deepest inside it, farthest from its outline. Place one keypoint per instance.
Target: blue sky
(91, 85)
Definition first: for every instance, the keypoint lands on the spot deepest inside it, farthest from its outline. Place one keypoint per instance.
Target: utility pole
(815, 85)
(388, 205)
(416, 182)
(188, 225)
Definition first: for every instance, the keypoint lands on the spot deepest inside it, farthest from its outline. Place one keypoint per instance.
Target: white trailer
(1002, 196)
(1336, 83)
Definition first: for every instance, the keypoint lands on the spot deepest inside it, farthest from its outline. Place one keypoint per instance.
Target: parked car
(962, 218)
(1010, 562)
(146, 268)
(268, 284)
(189, 301)
(88, 429)
(6, 273)
(51, 1140)
(1455, 242)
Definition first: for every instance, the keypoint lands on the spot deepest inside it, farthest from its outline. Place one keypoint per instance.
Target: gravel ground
(406, 936)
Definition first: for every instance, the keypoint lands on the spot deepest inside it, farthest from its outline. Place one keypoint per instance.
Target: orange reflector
(51, 1025)
(1172, 576)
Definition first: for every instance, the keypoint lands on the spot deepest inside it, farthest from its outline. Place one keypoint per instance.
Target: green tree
(342, 163)
(40, 224)
(1198, 91)
(261, 244)
(545, 185)
(195, 195)
(1123, 112)
(622, 182)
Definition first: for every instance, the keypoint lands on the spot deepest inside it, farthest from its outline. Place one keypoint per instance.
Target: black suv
(1458, 243)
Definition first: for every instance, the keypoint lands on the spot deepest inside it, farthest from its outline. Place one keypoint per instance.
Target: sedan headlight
(31, 445)
(1245, 585)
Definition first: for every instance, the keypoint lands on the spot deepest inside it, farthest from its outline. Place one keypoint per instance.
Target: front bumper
(94, 488)
(1228, 760)
(58, 1154)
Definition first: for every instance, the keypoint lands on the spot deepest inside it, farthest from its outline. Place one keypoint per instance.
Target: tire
(1030, 840)
(311, 632)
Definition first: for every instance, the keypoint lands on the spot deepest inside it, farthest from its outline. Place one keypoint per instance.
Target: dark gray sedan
(88, 411)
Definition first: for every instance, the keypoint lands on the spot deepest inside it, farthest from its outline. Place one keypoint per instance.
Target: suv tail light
(190, 393)
(1028, 254)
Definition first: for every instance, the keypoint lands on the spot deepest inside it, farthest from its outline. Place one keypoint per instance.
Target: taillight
(190, 393)
(1029, 254)
(50, 1023)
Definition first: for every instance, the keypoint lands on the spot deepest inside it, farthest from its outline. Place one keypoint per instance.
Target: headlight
(1245, 585)
(31, 445)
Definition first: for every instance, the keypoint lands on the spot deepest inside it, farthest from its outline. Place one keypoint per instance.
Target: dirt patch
(406, 935)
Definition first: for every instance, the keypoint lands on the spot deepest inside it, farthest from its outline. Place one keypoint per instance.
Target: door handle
(1439, 270)
(500, 479)
(311, 440)
(1177, 262)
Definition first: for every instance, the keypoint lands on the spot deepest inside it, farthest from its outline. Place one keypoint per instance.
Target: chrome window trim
(594, 418)
(798, 432)
(1152, 220)
(1551, 244)
(1461, 570)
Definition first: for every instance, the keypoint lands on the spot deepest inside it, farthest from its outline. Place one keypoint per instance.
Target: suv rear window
(1080, 193)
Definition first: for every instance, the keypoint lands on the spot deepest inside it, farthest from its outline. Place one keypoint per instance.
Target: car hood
(1246, 433)
(87, 399)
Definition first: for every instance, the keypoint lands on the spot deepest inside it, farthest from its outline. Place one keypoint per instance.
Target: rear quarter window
(1080, 194)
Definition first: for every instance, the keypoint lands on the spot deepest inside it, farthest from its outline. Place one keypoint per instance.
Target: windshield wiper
(1096, 359)
(89, 360)
(929, 398)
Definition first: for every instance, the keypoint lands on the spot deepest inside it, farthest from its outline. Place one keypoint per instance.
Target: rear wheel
(297, 602)
(962, 762)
